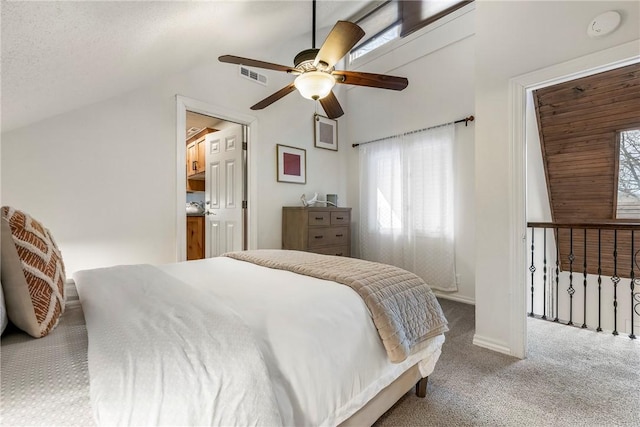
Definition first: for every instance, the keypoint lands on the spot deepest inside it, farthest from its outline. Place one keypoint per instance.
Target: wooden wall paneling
(602, 82)
(578, 123)
(621, 95)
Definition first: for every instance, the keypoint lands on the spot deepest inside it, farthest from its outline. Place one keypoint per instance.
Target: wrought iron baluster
(632, 284)
(532, 268)
(570, 289)
(636, 305)
(551, 306)
(615, 279)
(544, 273)
(599, 329)
(557, 272)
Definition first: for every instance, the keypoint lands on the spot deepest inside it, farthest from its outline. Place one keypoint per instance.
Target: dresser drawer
(332, 250)
(320, 229)
(340, 218)
(330, 236)
(318, 218)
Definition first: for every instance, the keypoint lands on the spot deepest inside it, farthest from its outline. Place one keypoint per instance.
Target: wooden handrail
(611, 225)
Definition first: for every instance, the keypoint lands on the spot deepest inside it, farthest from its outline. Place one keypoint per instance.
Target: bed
(220, 341)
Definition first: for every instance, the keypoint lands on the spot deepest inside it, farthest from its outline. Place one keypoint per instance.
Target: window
(407, 184)
(406, 204)
(375, 42)
(398, 18)
(418, 14)
(628, 205)
(381, 26)
(385, 165)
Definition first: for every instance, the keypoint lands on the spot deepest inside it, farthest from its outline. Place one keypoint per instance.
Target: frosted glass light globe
(314, 84)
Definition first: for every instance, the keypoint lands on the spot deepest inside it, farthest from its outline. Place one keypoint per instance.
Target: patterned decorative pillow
(33, 273)
(4, 320)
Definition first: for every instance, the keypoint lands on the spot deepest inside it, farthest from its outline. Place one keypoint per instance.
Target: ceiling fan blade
(381, 81)
(274, 97)
(331, 106)
(231, 59)
(339, 42)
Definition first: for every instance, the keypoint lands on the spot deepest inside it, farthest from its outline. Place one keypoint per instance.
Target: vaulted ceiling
(579, 123)
(59, 56)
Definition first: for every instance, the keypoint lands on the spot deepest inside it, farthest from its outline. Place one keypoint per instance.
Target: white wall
(538, 207)
(103, 178)
(439, 63)
(514, 38)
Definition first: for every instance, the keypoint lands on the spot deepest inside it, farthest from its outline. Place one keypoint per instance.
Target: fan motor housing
(304, 60)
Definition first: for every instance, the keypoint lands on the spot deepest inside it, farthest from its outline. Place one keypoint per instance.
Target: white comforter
(323, 356)
(161, 356)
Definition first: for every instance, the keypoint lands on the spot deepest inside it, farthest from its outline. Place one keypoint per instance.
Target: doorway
(519, 88)
(216, 186)
(214, 179)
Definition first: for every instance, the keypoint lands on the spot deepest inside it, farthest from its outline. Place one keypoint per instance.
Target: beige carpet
(572, 377)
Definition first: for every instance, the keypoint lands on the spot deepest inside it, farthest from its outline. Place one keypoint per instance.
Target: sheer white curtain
(406, 204)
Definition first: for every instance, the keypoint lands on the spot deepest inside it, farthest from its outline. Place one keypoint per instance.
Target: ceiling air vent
(252, 75)
(192, 131)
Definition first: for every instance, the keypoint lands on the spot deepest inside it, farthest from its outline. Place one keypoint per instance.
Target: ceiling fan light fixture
(314, 84)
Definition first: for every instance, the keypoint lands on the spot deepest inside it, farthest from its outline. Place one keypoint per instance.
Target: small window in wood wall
(628, 203)
(394, 19)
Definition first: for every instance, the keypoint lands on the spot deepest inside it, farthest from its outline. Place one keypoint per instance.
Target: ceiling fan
(316, 72)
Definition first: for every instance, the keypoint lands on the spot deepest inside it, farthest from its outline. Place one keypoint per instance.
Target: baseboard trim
(454, 297)
(491, 344)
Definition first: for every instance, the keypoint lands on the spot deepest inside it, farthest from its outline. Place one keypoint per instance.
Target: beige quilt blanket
(404, 309)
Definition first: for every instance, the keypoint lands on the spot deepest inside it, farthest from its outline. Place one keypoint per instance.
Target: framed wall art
(325, 132)
(292, 164)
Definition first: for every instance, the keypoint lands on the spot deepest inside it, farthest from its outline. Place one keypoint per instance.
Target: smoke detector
(604, 24)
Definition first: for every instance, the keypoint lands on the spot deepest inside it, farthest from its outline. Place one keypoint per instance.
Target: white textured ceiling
(59, 56)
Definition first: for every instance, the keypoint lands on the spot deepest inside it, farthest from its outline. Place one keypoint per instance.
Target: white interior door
(224, 191)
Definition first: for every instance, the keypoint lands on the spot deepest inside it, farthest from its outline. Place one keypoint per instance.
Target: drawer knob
(339, 235)
(319, 218)
(339, 217)
(319, 237)
(340, 254)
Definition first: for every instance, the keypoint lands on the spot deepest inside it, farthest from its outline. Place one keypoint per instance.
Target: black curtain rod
(466, 121)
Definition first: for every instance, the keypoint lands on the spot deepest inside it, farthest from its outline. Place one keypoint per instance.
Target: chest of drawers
(323, 230)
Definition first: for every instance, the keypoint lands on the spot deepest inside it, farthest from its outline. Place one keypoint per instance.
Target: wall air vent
(252, 75)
